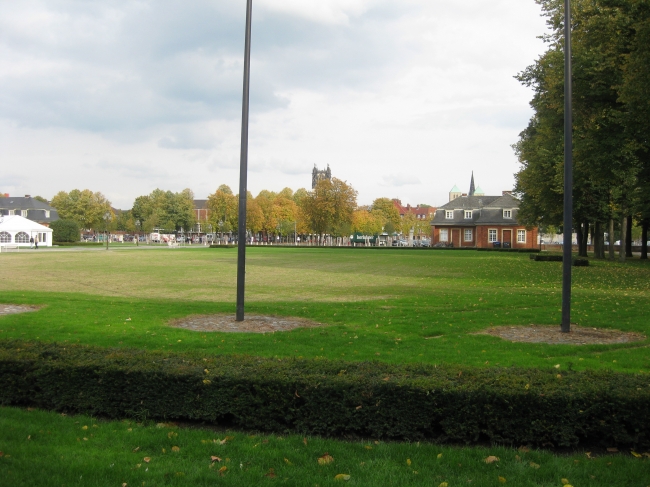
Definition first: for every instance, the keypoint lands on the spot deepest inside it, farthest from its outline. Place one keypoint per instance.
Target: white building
(17, 230)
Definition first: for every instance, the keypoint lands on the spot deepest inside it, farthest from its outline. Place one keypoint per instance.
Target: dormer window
(468, 214)
(507, 213)
(449, 214)
(12, 212)
(47, 213)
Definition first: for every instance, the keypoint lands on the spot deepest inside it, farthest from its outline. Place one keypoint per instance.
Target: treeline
(330, 208)
(611, 124)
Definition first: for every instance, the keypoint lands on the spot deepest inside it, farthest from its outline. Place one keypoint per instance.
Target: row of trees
(611, 117)
(330, 208)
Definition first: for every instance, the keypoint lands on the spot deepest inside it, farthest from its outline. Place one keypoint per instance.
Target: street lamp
(137, 230)
(107, 217)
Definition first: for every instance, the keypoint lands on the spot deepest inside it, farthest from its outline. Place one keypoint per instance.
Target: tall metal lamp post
(243, 171)
(568, 175)
(107, 217)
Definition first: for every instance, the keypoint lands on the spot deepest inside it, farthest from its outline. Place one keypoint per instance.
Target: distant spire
(471, 186)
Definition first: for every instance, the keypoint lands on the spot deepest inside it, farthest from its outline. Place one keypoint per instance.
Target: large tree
(86, 208)
(165, 210)
(606, 167)
(329, 207)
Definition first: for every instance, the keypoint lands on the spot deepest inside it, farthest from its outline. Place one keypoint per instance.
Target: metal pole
(243, 171)
(568, 175)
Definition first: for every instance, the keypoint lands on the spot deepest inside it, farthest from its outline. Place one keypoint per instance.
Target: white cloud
(402, 99)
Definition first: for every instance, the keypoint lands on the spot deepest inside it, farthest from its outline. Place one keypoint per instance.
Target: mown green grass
(393, 306)
(47, 449)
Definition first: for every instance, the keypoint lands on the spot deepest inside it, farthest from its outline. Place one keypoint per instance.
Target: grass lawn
(46, 449)
(387, 305)
(392, 306)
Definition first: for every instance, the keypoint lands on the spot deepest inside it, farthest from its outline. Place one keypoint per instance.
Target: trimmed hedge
(65, 231)
(577, 262)
(333, 398)
(79, 244)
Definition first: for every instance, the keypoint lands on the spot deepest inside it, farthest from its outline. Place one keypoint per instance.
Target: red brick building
(482, 222)
(420, 212)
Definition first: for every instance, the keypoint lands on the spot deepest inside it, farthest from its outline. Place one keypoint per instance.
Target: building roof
(485, 210)
(16, 223)
(200, 204)
(454, 189)
(36, 210)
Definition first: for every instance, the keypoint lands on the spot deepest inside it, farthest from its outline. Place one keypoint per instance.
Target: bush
(65, 231)
(332, 398)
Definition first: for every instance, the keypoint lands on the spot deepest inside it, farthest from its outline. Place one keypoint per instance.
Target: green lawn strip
(42, 448)
(396, 331)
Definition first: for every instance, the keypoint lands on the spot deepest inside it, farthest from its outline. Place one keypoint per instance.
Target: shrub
(65, 231)
(333, 398)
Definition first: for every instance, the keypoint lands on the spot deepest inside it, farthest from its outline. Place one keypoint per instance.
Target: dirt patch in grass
(11, 309)
(251, 323)
(579, 335)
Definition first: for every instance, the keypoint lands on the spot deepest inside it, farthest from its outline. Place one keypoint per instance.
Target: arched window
(22, 237)
(5, 237)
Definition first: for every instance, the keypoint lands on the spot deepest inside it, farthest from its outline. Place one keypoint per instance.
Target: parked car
(425, 242)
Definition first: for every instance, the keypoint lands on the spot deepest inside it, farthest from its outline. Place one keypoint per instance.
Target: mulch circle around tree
(551, 334)
(12, 309)
(251, 323)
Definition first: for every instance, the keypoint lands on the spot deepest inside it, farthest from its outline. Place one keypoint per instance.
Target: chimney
(506, 193)
(27, 196)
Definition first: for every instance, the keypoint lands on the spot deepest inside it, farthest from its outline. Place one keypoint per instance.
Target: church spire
(471, 186)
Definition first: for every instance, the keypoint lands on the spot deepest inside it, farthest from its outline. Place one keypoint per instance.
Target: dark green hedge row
(333, 398)
(577, 262)
(79, 244)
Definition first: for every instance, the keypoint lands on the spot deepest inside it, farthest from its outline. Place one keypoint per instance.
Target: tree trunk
(579, 238)
(611, 239)
(621, 247)
(599, 247)
(644, 239)
(628, 240)
(585, 240)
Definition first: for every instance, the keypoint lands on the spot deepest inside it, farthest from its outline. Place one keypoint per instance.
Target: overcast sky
(402, 98)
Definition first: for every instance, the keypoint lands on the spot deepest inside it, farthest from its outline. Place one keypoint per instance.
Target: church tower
(471, 186)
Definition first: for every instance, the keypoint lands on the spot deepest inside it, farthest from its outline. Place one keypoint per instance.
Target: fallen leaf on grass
(342, 476)
(524, 449)
(222, 470)
(408, 462)
(175, 448)
(368, 447)
(2, 454)
(502, 480)
(304, 440)
(215, 459)
(271, 473)
(491, 459)
(325, 459)
(443, 484)
(287, 461)
(534, 465)
(637, 455)
(439, 455)
(135, 449)
(146, 459)
(84, 427)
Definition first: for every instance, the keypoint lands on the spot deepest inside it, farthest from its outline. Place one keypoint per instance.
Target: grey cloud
(397, 180)
(125, 66)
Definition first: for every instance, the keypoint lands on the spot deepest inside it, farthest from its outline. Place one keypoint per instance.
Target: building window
(23, 213)
(468, 235)
(444, 235)
(5, 237)
(22, 237)
(521, 236)
(47, 213)
(492, 235)
(12, 212)
(449, 214)
(507, 213)
(468, 214)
